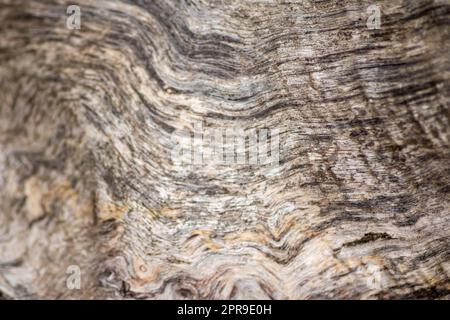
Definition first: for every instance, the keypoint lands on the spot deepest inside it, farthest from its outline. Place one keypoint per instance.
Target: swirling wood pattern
(358, 206)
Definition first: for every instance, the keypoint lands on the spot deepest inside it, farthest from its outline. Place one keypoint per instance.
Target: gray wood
(358, 206)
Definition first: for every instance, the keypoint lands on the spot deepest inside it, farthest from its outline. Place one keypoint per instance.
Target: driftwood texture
(358, 206)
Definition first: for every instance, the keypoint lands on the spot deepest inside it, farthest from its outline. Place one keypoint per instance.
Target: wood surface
(356, 208)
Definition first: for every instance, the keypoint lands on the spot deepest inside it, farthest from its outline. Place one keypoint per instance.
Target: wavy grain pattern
(357, 208)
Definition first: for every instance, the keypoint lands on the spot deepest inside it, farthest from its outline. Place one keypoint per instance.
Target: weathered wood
(358, 206)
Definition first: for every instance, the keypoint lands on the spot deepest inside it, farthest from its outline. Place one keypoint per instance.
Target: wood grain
(357, 208)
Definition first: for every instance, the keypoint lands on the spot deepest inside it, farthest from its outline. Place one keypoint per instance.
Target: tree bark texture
(358, 206)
